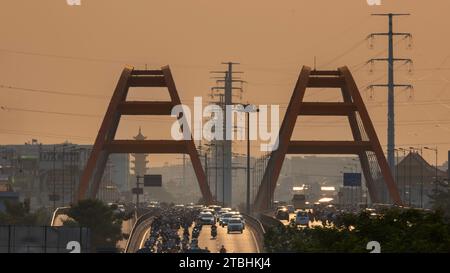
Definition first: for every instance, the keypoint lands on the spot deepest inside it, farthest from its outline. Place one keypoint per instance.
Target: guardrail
(259, 230)
(140, 220)
(269, 221)
(57, 212)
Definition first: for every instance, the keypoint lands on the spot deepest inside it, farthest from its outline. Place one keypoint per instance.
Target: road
(233, 242)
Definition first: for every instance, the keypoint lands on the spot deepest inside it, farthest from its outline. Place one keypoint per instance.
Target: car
(198, 207)
(223, 210)
(282, 214)
(302, 218)
(153, 204)
(206, 210)
(225, 217)
(121, 208)
(207, 218)
(240, 217)
(215, 208)
(235, 224)
(290, 208)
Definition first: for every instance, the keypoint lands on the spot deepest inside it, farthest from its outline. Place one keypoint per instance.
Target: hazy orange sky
(48, 45)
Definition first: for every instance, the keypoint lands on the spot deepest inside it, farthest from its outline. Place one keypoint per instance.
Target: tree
(105, 226)
(398, 231)
(440, 199)
(18, 213)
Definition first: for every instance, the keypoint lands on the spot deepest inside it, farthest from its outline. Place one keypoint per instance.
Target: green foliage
(17, 213)
(440, 199)
(105, 226)
(398, 231)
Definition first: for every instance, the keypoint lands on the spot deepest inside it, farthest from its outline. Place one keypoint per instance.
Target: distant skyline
(59, 64)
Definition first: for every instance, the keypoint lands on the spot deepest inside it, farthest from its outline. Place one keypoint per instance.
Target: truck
(299, 201)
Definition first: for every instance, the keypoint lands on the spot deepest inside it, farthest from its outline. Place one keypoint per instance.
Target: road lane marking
(255, 242)
(143, 238)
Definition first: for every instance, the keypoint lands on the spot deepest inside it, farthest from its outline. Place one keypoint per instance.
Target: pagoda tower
(140, 160)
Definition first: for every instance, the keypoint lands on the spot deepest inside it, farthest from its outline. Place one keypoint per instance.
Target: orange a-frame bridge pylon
(365, 142)
(106, 143)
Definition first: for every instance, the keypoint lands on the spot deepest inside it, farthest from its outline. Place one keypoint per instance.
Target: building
(352, 197)
(49, 174)
(6, 194)
(415, 179)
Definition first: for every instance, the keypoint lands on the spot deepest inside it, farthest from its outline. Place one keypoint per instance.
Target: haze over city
(80, 58)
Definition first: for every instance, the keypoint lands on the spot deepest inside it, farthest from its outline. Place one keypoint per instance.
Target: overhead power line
(53, 92)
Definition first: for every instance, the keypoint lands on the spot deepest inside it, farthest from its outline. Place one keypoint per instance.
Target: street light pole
(248, 108)
(54, 178)
(417, 150)
(410, 176)
(248, 162)
(404, 173)
(436, 166)
(63, 173)
(137, 191)
(396, 166)
(421, 179)
(206, 169)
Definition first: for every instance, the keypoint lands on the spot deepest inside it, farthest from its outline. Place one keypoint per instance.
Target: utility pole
(228, 89)
(184, 170)
(391, 83)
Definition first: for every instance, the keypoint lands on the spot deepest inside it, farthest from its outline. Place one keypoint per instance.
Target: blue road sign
(352, 179)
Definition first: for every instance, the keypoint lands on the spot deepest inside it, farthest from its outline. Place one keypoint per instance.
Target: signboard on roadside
(152, 180)
(137, 191)
(352, 179)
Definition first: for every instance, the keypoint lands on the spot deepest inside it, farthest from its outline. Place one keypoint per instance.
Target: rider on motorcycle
(223, 250)
(213, 231)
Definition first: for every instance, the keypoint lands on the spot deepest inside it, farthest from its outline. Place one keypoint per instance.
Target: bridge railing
(139, 220)
(57, 212)
(258, 229)
(268, 220)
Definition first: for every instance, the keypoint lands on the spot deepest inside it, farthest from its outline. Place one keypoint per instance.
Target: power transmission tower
(391, 83)
(225, 87)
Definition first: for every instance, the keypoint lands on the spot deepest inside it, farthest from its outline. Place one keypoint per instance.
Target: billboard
(152, 180)
(352, 179)
(137, 190)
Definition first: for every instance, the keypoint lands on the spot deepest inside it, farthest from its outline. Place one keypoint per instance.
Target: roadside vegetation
(397, 230)
(105, 225)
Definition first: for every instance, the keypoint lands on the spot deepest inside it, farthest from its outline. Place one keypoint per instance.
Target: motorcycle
(214, 233)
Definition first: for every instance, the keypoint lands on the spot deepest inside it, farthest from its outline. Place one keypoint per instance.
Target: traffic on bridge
(196, 229)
